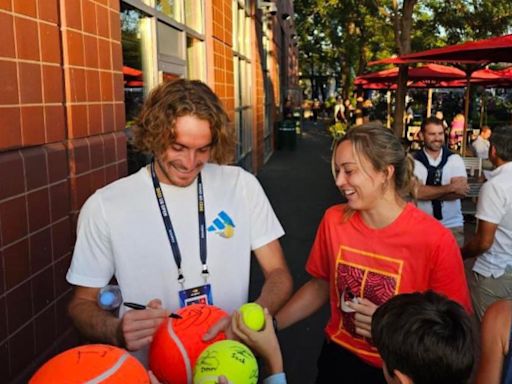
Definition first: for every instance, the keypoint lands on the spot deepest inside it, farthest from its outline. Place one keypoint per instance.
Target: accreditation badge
(197, 295)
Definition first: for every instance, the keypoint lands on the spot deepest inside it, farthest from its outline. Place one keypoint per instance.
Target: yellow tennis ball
(253, 316)
(228, 358)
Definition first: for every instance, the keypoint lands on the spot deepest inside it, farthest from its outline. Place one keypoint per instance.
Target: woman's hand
(363, 317)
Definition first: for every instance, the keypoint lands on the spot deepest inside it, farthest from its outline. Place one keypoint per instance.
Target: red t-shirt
(414, 253)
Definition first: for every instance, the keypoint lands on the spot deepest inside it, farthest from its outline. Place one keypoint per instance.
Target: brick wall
(61, 121)
(222, 31)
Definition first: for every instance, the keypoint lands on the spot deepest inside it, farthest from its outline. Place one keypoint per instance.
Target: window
(135, 61)
(171, 51)
(137, 71)
(196, 59)
(170, 41)
(242, 71)
(171, 8)
(194, 15)
(161, 40)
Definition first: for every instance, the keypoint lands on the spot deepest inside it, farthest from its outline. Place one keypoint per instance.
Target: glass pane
(247, 36)
(170, 41)
(134, 39)
(238, 131)
(171, 8)
(236, 76)
(194, 14)
(248, 130)
(248, 84)
(241, 31)
(133, 59)
(196, 59)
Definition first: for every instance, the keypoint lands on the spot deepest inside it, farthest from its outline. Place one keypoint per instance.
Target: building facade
(73, 74)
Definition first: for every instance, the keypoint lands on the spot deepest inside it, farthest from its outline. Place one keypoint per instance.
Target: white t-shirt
(495, 206)
(121, 232)
(481, 147)
(451, 210)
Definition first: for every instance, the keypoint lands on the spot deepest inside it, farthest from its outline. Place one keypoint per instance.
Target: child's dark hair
(426, 337)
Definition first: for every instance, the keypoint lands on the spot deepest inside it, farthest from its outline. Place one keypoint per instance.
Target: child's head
(424, 338)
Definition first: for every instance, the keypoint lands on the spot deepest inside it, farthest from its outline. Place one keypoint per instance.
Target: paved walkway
(300, 187)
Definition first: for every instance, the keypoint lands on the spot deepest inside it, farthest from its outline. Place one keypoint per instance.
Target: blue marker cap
(107, 298)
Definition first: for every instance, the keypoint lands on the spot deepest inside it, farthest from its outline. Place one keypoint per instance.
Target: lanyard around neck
(170, 230)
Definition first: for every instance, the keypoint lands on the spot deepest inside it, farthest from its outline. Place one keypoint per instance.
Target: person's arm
(278, 284)
(276, 289)
(306, 301)
(495, 331)
(264, 343)
(481, 241)
(456, 189)
(133, 331)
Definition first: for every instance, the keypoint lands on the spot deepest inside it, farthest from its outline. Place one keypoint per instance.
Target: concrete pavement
(300, 187)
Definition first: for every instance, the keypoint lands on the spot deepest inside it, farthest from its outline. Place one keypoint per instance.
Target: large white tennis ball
(228, 358)
(253, 316)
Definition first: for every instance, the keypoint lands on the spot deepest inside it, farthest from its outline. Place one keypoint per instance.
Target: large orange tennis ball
(92, 364)
(178, 342)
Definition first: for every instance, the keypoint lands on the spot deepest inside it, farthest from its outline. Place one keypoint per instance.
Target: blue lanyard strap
(170, 230)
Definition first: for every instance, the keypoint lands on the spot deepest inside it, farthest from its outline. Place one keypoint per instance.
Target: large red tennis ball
(178, 342)
(92, 364)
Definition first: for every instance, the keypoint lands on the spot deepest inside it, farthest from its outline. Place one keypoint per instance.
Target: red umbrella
(426, 73)
(426, 76)
(495, 49)
(388, 86)
(492, 50)
(433, 74)
(129, 71)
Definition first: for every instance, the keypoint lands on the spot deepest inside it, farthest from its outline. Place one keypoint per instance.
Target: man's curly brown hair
(155, 127)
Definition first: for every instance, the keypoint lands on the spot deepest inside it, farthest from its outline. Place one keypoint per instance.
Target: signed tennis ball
(228, 358)
(92, 363)
(178, 342)
(253, 316)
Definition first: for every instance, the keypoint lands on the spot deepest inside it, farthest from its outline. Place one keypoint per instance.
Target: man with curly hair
(180, 230)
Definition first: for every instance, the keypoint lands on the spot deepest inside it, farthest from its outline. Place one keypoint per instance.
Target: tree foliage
(339, 37)
(462, 20)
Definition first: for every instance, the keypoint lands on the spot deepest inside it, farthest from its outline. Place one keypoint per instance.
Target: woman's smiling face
(356, 178)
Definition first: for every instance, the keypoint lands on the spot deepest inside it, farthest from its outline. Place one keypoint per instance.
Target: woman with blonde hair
(368, 250)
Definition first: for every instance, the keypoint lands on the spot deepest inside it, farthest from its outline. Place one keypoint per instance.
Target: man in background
(481, 144)
(443, 178)
(491, 276)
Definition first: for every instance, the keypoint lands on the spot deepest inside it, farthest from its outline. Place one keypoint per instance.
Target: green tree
(341, 36)
(402, 26)
(463, 20)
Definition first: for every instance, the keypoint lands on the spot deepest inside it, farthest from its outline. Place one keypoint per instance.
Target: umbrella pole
(429, 102)
(388, 97)
(466, 113)
(482, 109)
